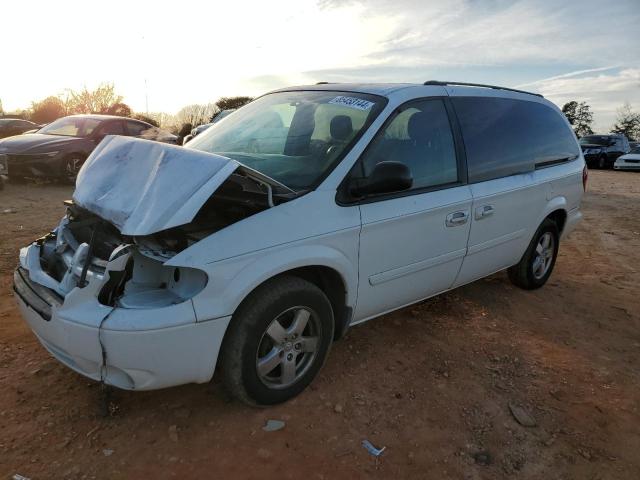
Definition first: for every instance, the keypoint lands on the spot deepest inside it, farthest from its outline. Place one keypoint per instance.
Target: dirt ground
(433, 383)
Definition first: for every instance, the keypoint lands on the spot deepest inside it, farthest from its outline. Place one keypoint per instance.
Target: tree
(627, 122)
(144, 118)
(47, 110)
(196, 114)
(120, 109)
(100, 100)
(225, 103)
(579, 116)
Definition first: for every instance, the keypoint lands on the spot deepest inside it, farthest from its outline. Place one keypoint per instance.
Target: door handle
(484, 212)
(457, 218)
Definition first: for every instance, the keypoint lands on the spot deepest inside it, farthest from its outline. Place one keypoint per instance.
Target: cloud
(485, 32)
(583, 51)
(603, 92)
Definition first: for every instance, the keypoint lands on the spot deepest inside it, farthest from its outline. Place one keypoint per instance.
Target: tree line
(105, 100)
(581, 119)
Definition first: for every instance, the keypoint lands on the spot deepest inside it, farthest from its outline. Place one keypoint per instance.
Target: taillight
(585, 177)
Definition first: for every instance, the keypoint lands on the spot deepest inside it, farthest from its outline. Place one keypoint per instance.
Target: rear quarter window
(505, 137)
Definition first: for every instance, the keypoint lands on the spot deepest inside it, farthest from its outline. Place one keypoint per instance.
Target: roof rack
(323, 83)
(464, 84)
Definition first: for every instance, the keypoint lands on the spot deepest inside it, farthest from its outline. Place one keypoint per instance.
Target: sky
(165, 55)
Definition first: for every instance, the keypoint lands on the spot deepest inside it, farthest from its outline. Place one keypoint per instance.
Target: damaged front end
(84, 251)
(97, 292)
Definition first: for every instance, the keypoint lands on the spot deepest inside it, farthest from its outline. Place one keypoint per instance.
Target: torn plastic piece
(273, 425)
(376, 452)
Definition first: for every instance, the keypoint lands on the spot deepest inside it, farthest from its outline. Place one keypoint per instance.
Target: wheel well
(331, 283)
(559, 217)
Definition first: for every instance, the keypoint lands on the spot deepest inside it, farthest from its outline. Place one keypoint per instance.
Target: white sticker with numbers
(352, 102)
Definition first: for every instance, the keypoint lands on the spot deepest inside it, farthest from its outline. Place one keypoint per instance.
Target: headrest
(341, 127)
(418, 126)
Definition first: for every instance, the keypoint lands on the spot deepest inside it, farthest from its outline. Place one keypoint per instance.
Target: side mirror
(387, 177)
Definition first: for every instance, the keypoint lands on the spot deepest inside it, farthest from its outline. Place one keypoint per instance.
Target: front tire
(277, 341)
(536, 265)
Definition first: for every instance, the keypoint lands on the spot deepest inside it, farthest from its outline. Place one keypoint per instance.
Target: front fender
(230, 281)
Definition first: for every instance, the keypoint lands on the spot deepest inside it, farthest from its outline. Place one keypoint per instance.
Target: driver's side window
(419, 135)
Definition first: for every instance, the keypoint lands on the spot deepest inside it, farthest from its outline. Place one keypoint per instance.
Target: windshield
(635, 150)
(595, 140)
(295, 138)
(71, 127)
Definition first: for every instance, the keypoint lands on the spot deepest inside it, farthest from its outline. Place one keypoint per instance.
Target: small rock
(585, 453)
(337, 408)
(8, 210)
(273, 425)
(173, 433)
(107, 452)
(482, 458)
(264, 454)
(522, 416)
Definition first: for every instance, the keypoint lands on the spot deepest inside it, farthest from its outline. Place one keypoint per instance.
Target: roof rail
(464, 84)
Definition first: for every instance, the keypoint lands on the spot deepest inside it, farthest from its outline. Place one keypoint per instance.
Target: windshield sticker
(352, 102)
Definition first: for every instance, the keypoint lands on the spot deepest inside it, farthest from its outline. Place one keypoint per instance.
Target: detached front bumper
(116, 345)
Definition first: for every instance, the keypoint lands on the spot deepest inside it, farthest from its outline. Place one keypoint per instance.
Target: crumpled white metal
(143, 187)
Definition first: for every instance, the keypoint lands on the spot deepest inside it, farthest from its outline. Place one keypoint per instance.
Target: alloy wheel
(544, 255)
(288, 347)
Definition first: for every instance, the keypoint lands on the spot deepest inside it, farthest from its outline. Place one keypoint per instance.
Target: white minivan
(309, 210)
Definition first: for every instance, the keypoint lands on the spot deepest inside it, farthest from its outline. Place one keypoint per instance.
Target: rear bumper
(133, 357)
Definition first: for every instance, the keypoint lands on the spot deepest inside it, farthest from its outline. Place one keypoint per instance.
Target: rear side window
(112, 128)
(504, 137)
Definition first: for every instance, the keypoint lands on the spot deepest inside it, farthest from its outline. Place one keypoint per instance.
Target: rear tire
(277, 341)
(70, 167)
(536, 265)
(602, 162)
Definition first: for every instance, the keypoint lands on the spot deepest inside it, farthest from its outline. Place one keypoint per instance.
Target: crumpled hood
(143, 187)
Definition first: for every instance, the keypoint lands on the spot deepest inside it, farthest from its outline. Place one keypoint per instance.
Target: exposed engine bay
(83, 246)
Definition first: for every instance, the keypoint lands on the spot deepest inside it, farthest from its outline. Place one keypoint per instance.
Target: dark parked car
(201, 128)
(59, 149)
(601, 151)
(15, 126)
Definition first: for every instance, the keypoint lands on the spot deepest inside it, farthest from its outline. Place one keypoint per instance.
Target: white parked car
(307, 211)
(630, 161)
